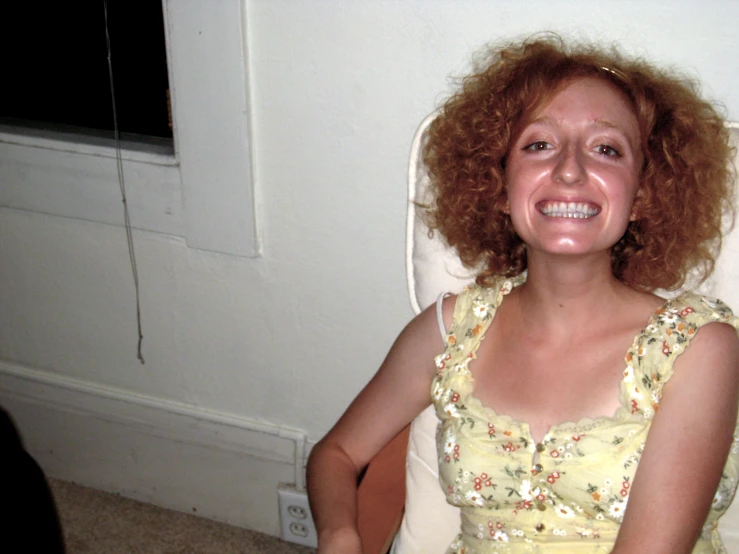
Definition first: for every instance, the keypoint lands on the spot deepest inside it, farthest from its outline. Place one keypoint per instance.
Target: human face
(572, 174)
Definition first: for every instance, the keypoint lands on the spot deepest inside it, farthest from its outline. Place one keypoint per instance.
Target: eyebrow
(594, 123)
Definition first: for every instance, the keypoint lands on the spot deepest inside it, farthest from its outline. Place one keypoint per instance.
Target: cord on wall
(122, 183)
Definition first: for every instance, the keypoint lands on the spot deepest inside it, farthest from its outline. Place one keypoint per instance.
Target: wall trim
(168, 453)
(148, 414)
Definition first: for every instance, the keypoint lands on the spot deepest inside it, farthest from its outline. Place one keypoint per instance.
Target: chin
(568, 247)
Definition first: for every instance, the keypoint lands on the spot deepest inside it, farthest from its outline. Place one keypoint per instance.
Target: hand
(340, 542)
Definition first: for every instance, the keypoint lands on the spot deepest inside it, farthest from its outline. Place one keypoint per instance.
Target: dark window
(55, 70)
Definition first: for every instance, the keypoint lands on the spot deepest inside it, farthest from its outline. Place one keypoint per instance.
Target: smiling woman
(564, 177)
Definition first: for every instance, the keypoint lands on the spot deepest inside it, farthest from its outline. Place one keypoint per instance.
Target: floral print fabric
(569, 492)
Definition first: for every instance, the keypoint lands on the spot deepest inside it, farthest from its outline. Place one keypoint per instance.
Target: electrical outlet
(296, 521)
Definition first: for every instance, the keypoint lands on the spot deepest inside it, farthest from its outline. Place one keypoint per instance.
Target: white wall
(286, 339)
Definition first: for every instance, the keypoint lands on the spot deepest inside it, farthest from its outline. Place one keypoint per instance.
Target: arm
(686, 449)
(395, 395)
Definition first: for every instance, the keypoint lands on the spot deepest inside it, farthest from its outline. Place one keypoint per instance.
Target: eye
(607, 150)
(538, 146)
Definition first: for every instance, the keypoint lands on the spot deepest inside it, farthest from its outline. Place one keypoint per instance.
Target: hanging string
(122, 183)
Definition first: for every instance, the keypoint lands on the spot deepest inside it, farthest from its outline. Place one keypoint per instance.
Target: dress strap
(440, 315)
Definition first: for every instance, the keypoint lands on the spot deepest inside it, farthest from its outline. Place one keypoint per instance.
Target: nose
(569, 169)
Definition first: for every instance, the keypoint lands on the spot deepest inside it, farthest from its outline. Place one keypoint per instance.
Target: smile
(575, 210)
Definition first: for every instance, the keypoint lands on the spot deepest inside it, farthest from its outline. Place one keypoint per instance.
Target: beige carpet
(97, 522)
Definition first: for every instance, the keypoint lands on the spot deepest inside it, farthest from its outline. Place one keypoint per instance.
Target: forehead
(588, 100)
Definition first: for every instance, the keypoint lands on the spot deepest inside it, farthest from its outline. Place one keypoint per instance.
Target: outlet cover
(296, 521)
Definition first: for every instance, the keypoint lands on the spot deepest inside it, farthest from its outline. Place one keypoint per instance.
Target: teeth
(577, 210)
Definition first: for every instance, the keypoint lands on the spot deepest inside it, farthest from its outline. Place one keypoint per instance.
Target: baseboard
(170, 454)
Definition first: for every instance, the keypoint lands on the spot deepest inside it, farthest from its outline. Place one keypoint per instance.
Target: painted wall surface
(339, 87)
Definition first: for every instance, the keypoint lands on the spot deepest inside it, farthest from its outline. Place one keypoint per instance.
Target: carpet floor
(96, 522)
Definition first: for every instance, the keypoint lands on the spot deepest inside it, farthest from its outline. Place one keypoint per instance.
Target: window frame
(204, 191)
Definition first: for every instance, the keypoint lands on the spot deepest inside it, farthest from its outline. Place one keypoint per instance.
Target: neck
(571, 290)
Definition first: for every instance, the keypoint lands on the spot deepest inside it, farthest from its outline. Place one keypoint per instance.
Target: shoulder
(473, 300)
(714, 345)
(452, 308)
(489, 295)
(705, 376)
(677, 324)
(699, 308)
(691, 342)
(702, 371)
(709, 358)
(708, 325)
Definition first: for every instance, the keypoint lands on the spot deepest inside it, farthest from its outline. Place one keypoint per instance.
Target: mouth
(572, 210)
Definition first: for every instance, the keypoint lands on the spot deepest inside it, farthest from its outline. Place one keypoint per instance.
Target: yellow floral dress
(568, 493)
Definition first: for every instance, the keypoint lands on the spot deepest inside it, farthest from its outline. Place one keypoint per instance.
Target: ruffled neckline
(504, 287)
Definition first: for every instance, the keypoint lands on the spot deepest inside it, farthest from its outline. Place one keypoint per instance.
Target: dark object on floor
(27, 511)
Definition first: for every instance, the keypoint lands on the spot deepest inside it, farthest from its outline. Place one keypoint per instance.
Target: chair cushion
(431, 266)
(429, 523)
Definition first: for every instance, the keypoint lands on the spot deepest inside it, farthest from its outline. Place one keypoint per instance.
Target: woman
(576, 183)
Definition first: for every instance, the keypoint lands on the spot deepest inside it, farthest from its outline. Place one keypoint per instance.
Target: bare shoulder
(707, 373)
(715, 344)
(427, 323)
(410, 360)
(425, 327)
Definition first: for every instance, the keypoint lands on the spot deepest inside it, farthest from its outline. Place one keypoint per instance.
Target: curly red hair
(686, 185)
